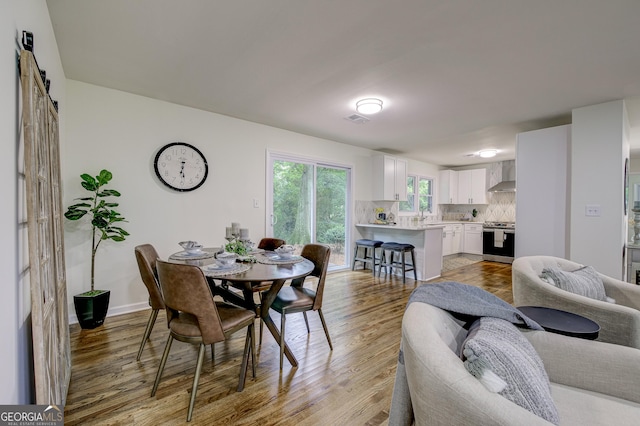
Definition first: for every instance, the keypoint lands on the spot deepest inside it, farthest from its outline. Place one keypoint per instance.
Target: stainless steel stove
(498, 241)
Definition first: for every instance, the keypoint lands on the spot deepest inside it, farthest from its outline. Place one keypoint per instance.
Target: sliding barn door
(49, 317)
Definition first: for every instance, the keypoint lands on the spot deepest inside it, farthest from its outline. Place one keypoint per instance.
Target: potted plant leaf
(91, 306)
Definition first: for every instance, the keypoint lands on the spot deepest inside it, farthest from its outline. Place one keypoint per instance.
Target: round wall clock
(181, 166)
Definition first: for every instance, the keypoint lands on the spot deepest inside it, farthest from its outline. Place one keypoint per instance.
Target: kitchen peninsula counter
(426, 239)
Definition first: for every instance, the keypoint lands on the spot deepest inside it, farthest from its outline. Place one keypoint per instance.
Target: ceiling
(455, 76)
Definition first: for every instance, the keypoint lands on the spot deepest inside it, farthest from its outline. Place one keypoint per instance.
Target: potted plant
(91, 306)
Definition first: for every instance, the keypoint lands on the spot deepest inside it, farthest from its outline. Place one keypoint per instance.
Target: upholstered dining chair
(194, 317)
(297, 298)
(146, 256)
(270, 244)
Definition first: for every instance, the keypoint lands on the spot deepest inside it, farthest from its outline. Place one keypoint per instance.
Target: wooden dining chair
(297, 298)
(146, 256)
(194, 317)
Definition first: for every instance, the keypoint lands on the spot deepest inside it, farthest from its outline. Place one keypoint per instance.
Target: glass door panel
(309, 203)
(331, 208)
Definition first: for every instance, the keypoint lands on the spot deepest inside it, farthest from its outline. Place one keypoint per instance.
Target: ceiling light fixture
(369, 106)
(488, 153)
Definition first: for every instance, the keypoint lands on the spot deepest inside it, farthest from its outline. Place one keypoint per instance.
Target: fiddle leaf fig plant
(100, 210)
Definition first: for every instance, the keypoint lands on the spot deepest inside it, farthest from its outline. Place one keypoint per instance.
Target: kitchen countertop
(404, 228)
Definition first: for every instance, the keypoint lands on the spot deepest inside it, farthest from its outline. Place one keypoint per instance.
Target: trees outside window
(309, 203)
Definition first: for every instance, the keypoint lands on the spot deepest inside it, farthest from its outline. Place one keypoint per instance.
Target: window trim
(416, 210)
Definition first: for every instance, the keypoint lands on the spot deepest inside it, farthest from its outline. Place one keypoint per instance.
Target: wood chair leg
(404, 268)
(147, 331)
(245, 359)
(282, 321)
(163, 361)
(306, 321)
(213, 353)
(253, 349)
(326, 330)
(196, 379)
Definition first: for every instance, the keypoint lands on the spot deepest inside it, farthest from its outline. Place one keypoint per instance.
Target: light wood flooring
(351, 385)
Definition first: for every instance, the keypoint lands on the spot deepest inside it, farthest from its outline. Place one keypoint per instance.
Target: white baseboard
(118, 310)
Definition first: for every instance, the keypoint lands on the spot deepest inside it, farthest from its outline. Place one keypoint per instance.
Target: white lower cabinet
(447, 240)
(473, 238)
(452, 239)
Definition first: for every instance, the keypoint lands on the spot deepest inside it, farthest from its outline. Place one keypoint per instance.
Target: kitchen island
(427, 241)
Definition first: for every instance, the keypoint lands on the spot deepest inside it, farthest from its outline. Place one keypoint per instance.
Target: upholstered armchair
(591, 383)
(619, 322)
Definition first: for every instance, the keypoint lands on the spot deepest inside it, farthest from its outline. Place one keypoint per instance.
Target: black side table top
(561, 322)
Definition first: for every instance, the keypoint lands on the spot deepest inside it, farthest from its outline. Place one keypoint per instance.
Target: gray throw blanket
(465, 302)
(468, 302)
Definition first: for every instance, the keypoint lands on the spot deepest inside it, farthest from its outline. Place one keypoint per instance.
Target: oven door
(492, 250)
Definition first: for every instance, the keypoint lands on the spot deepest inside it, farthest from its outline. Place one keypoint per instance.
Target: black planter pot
(91, 309)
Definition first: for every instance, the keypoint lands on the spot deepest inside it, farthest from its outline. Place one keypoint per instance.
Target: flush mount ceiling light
(488, 153)
(369, 106)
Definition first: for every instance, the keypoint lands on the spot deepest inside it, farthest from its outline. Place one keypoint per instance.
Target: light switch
(256, 203)
(592, 210)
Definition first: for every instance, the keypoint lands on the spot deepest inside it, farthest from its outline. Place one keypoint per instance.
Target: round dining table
(257, 274)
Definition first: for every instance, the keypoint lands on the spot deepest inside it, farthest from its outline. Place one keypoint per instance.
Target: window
(419, 196)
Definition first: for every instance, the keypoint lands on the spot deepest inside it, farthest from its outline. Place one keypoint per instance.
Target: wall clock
(181, 166)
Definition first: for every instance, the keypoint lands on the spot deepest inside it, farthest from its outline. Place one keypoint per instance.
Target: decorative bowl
(226, 259)
(187, 244)
(285, 251)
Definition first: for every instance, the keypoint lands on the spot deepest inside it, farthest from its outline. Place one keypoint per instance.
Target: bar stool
(367, 244)
(400, 249)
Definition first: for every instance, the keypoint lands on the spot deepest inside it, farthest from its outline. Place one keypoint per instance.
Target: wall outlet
(592, 210)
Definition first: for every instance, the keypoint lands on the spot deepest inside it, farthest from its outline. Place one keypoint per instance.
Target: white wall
(542, 170)
(599, 146)
(122, 133)
(15, 309)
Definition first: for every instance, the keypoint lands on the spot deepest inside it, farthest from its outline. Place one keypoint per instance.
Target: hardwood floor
(350, 385)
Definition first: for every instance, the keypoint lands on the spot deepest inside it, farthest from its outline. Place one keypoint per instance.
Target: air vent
(358, 119)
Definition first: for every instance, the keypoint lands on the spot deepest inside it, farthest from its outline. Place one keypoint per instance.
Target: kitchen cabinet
(452, 239)
(473, 238)
(448, 193)
(472, 186)
(457, 242)
(447, 240)
(389, 178)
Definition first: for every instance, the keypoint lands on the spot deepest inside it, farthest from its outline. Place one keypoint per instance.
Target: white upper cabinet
(472, 186)
(389, 178)
(448, 193)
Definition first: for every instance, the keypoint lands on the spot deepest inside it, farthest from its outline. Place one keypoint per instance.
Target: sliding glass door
(308, 202)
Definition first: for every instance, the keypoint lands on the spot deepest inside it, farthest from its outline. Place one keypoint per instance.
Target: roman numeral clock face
(181, 166)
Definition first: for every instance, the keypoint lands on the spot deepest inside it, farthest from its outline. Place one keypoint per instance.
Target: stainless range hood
(508, 183)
